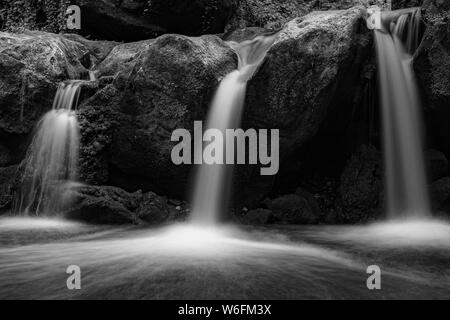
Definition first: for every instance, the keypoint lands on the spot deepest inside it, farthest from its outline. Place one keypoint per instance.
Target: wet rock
(257, 217)
(7, 178)
(361, 187)
(5, 156)
(153, 209)
(432, 67)
(294, 209)
(195, 17)
(112, 205)
(104, 205)
(158, 86)
(305, 74)
(440, 194)
(437, 164)
(31, 67)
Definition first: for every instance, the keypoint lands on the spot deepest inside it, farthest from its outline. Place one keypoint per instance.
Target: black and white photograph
(235, 152)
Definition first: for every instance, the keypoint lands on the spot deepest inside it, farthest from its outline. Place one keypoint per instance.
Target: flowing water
(213, 182)
(406, 183)
(198, 262)
(52, 158)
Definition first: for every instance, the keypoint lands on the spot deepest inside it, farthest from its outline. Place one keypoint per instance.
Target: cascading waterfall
(52, 158)
(406, 180)
(213, 182)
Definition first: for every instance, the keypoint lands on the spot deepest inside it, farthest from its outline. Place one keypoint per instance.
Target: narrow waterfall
(406, 179)
(213, 182)
(52, 157)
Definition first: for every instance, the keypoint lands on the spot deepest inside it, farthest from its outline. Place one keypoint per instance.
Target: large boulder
(32, 65)
(311, 71)
(440, 195)
(360, 192)
(437, 164)
(156, 86)
(432, 66)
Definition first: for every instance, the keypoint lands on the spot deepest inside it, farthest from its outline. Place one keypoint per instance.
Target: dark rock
(437, 164)
(257, 217)
(195, 17)
(104, 205)
(112, 205)
(294, 209)
(158, 86)
(440, 194)
(31, 67)
(432, 66)
(153, 209)
(7, 178)
(305, 74)
(5, 156)
(361, 187)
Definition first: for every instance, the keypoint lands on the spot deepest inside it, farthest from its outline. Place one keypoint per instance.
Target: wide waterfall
(406, 181)
(52, 158)
(213, 182)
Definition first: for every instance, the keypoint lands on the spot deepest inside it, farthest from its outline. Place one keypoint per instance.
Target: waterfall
(52, 157)
(213, 182)
(406, 179)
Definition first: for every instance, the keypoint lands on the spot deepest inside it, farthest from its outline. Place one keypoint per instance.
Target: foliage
(45, 15)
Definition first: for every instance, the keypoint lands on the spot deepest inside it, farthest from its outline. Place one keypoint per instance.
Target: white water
(406, 181)
(213, 182)
(52, 158)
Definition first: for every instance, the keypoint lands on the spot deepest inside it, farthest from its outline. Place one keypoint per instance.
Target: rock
(437, 164)
(31, 67)
(311, 70)
(7, 178)
(195, 17)
(294, 209)
(361, 187)
(440, 194)
(104, 205)
(157, 86)
(112, 205)
(432, 67)
(273, 14)
(123, 20)
(257, 217)
(153, 209)
(5, 156)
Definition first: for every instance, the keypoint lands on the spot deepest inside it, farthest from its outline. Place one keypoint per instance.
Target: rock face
(440, 195)
(432, 66)
(361, 187)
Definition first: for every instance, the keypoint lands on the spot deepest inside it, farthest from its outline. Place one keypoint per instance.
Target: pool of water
(187, 262)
